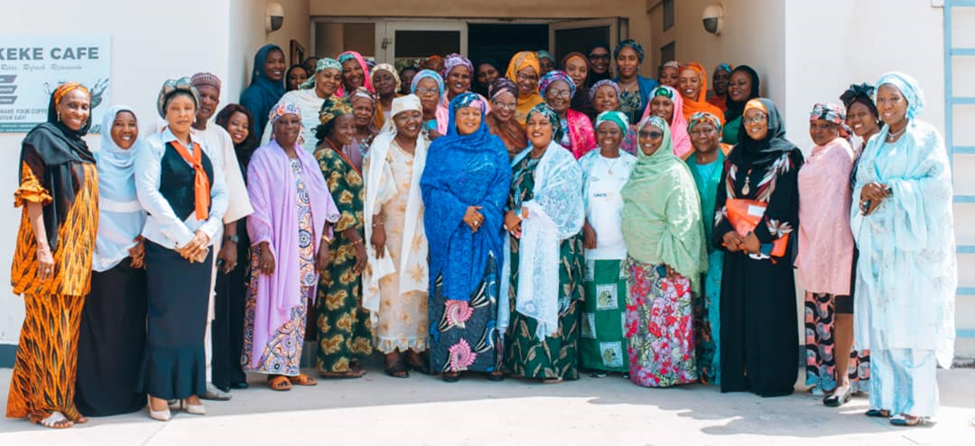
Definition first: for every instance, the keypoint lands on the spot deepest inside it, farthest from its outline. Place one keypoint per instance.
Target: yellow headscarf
(526, 101)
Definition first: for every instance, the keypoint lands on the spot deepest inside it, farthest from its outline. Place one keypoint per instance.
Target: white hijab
(376, 168)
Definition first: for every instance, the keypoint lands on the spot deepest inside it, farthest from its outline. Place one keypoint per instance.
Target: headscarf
(596, 77)
(262, 93)
(526, 99)
(366, 78)
(284, 108)
(862, 93)
(834, 113)
(749, 152)
(50, 151)
(672, 64)
(425, 74)
(699, 104)
(662, 220)
(908, 87)
(576, 55)
(717, 100)
(616, 117)
(632, 44)
(709, 118)
(432, 61)
(455, 60)
(736, 109)
(389, 69)
(462, 171)
(556, 75)
(121, 218)
(724, 67)
(544, 54)
(172, 88)
(678, 123)
(510, 131)
(581, 101)
(553, 117)
(595, 87)
(323, 64)
(331, 109)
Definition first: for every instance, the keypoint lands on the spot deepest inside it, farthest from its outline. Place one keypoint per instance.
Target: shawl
(510, 132)
(581, 133)
(263, 93)
(907, 272)
(699, 104)
(556, 212)
(526, 100)
(121, 217)
(271, 187)
(377, 167)
(596, 77)
(662, 211)
(678, 122)
(749, 152)
(310, 104)
(443, 113)
(581, 101)
(462, 171)
(366, 77)
(825, 240)
(51, 151)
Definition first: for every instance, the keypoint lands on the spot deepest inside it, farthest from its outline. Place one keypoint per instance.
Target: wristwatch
(231, 238)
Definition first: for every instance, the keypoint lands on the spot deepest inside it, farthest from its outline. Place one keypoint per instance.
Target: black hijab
(735, 109)
(53, 152)
(749, 152)
(596, 77)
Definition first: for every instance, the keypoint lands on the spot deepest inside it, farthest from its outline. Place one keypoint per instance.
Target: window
(668, 14)
(668, 53)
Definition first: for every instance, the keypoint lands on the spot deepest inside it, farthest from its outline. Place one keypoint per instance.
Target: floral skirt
(659, 326)
(820, 360)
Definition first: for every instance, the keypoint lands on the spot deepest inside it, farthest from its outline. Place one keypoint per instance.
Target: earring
(59, 115)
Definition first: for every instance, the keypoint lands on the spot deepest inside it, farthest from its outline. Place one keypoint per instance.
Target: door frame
(618, 29)
(391, 26)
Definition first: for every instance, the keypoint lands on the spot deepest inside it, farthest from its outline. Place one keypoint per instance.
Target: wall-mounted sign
(32, 66)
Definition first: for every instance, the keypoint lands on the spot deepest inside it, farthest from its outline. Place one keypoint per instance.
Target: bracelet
(377, 223)
(357, 242)
(231, 238)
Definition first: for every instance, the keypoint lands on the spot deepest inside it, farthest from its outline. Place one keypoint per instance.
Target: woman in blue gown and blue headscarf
(907, 271)
(465, 187)
(267, 86)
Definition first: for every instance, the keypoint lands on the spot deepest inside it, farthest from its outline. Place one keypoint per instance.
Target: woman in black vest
(186, 198)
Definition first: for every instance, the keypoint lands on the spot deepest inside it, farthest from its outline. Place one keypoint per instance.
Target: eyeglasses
(423, 91)
(759, 117)
(507, 106)
(525, 77)
(564, 94)
(651, 135)
(599, 56)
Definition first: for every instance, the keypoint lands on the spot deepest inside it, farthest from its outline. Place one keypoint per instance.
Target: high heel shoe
(193, 409)
(161, 415)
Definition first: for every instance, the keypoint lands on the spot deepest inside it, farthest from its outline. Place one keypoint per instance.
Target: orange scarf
(201, 184)
(700, 103)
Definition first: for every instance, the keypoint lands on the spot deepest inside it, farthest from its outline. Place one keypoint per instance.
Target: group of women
(560, 221)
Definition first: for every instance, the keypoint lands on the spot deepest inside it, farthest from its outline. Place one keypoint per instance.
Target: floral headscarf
(603, 83)
(834, 113)
(556, 75)
(170, 89)
(332, 108)
(286, 108)
(553, 117)
(700, 117)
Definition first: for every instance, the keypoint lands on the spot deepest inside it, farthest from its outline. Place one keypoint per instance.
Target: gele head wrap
(553, 117)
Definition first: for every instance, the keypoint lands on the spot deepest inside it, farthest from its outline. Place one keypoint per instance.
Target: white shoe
(193, 409)
(162, 415)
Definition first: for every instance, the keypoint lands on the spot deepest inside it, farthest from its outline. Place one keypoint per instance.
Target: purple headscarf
(455, 60)
(556, 75)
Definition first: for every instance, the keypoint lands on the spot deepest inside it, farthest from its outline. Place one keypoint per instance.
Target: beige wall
(633, 10)
(751, 35)
(247, 32)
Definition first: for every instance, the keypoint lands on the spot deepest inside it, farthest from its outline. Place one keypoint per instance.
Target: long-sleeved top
(164, 227)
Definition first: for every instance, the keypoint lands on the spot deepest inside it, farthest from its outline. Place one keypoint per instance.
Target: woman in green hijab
(666, 250)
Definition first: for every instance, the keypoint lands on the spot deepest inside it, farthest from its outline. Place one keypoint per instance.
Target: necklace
(609, 167)
(891, 137)
(746, 189)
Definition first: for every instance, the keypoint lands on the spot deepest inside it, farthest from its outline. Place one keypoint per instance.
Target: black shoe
(240, 386)
(838, 399)
(495, 377)
(878, 413)
(451, 377)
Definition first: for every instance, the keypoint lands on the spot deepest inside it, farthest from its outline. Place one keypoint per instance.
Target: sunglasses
(599, 56)
(651, 135)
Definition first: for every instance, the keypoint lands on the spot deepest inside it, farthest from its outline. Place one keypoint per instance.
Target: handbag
(745, 215)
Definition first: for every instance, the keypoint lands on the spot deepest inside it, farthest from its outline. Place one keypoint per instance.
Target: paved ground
(378, 410)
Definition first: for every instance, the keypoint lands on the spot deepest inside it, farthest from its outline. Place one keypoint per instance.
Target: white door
(407, 41)
(577, 35)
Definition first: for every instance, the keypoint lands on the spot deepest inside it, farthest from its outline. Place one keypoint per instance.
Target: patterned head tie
(553, 117)
(175, 87)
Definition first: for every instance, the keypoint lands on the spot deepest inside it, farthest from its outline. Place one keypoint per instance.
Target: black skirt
(227, 336)
(111, 342)
(174, 363)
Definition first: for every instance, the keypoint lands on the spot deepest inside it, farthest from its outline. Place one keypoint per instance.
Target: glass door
(577, 35)
(406, 43)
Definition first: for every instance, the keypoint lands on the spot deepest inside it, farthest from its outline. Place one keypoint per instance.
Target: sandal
(279, 383)
(352, 373)
(303, 380)
(56, 420)
(496, 376)
(837, 398)
(551, 380)
(907, 421)
(451, 377)
(395, 367)
(878, 413)
(418, 361)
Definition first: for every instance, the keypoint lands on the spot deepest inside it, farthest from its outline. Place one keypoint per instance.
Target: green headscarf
(662, 211)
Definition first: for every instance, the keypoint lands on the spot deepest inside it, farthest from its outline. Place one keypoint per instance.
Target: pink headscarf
(367, 79)
(678, 124)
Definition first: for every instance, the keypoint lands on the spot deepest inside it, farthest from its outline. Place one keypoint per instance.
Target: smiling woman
(267, 85)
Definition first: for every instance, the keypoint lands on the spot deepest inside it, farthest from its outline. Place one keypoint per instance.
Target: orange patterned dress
(44, 373)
